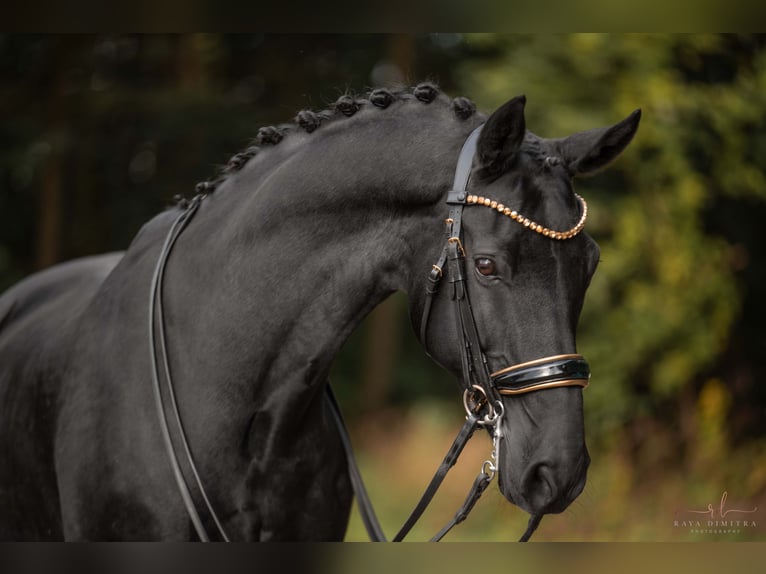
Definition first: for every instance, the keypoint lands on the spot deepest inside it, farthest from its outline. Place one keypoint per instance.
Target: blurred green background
(100, 132)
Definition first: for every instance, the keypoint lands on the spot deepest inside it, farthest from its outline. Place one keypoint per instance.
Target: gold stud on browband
(526, 222)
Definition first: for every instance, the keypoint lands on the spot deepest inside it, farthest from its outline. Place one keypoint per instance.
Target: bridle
(482, 390)
(547, 372)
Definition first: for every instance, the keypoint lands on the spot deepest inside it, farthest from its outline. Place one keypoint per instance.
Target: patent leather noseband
(546, 373)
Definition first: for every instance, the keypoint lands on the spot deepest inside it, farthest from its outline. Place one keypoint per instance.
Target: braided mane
(309, 121)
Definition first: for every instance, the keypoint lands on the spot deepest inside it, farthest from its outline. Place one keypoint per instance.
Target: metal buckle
(459, 244)
(490, 466)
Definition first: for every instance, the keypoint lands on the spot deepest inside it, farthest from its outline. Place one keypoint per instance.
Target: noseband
(547, 373)
(482, 389)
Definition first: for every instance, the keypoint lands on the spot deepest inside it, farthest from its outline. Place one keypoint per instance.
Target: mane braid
(308, 120)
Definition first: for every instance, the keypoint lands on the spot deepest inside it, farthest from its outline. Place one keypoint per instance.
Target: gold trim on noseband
(526, 222)
(536, 362)
(541, 386)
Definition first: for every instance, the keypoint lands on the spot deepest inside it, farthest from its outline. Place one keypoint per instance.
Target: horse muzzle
(544, 470)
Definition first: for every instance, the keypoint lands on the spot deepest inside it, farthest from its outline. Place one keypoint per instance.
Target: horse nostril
(546, 491)
(540, 487)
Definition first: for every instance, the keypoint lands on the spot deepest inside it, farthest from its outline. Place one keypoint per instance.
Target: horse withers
(288, 249)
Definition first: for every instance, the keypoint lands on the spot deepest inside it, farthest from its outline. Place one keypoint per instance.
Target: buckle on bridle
(457, 241)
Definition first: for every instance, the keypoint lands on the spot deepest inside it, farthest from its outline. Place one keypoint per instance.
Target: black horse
(299, 238)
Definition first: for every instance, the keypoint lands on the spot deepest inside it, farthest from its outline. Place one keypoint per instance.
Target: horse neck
(287, 258)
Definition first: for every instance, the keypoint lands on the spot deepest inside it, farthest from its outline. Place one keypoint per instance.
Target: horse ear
(587, 152)
(502, 134)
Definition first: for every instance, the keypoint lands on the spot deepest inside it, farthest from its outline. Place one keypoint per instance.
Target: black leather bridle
(482, 390)
(547, 372)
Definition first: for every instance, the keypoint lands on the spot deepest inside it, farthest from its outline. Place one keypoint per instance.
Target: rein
(157, 326)
(482, 390)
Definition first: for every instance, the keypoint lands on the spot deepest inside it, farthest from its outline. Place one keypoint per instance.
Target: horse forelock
(539, 167)
(541, 153)
(346, 106)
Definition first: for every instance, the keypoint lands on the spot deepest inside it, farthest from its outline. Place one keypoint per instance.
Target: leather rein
(482, 390)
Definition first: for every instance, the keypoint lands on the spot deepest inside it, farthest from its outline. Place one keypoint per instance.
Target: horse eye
(485, 266)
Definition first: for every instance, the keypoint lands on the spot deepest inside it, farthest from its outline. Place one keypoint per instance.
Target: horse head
(527, 265)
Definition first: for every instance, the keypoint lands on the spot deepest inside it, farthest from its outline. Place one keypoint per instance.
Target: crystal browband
(526, 222)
